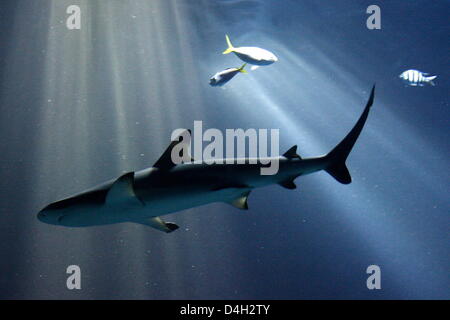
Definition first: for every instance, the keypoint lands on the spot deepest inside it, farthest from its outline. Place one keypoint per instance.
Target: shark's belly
(95, 215)
(161, 202)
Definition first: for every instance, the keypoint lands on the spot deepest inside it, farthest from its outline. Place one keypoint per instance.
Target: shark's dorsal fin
(159, 224)
(288, 184)
(165, 161)
(241, 201)
(292, 153)
(122, 193)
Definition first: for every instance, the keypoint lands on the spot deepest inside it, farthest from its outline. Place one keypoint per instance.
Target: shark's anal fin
(241, 202)
(292, 153)
(159, 224)
(288, 184)
(242, 190)
(122, 192)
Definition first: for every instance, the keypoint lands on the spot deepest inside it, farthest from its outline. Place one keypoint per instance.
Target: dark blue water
(78, 107)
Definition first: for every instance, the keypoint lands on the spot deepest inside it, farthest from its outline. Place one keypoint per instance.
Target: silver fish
(416, 78)
(222, 77)
(253, 55)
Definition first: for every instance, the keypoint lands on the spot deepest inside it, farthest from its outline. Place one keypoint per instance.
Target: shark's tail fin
(337, 157)
(230, 46)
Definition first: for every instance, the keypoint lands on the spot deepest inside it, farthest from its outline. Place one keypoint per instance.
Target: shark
(145, 196)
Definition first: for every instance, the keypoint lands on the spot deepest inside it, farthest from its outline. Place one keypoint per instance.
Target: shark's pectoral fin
(241, 201)
(122, 193)
(159, 224)
(288, 184)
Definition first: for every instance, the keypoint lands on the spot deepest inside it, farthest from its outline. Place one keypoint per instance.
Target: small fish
(222, 77)
(252, 55)
(416, 78)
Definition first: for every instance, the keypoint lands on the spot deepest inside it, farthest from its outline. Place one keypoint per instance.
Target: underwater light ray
(351, 88)
(169, 54)
(200, 108)
(155, 49)
(82, 124)
(17, 94)
(309, 105)
(359, 224)
(150, 110)
(109, 30)
(165, 68)
(56, 115)
(151, 36)
(120, 57)
(73, 151)
(268, 104)
(116, 69)
(150, 92)
(49, 141)
(187, 42)
(344, 97)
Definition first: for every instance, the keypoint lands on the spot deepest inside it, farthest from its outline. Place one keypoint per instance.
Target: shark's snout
(50, 215)
(41, 215)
